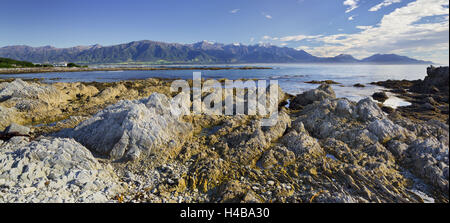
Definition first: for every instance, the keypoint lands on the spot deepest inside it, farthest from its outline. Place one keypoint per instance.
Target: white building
(60, 64)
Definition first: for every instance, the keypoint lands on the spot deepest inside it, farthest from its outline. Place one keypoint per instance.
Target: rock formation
(321, 149)
(129, 129)
(53, 170)
(308, 97)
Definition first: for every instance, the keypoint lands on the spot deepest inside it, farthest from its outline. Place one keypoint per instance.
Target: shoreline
(429, 98)
(81, 69)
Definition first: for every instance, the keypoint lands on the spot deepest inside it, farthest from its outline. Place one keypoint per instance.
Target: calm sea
(291, 77)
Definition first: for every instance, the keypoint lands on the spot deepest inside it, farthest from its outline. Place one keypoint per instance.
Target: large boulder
(20, 102)
(429, 159)
(386, 130)
(367, 110)
(110, 93)
(53, 170)
(437, 79)
(30, 96)
(32, 102)
(300, 142)
(323, 92)
(8, 116)
(17, 129)
(131, 129)
(380, 96)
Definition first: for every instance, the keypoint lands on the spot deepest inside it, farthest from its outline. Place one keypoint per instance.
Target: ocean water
(291, 77)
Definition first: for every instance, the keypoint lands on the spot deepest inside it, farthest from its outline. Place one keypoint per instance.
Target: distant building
(61, 64)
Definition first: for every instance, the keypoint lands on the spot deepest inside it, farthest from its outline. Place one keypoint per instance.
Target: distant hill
(204, 52)
(392, 58)
(10, 63)
(342, 58)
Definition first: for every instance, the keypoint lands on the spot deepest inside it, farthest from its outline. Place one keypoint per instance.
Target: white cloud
(267, 15)
(298, 38)
(351, 18)
(363, 27)
(397, 32)
(234, 11)
(352, 5)
(307, 48)
(384, 4)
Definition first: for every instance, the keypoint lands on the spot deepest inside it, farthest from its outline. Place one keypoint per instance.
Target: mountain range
(204, 52)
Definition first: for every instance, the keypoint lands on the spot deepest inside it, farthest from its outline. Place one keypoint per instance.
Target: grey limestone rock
(132, 129)
(53, 170)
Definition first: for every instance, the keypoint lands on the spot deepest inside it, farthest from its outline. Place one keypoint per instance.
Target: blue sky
(416, 28)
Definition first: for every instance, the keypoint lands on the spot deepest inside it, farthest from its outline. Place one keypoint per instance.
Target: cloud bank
(401, 31)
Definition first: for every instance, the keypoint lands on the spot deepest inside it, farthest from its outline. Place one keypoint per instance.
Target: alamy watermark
(233, 97)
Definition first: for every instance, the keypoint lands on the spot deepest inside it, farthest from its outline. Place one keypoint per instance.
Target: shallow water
(291, 77)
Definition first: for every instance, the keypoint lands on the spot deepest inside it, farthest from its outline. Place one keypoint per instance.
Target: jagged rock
(322, 118)
(75, 89)
(388, 110)
(23, 100)
(323, 92)
(437, 80)
(334, 197)
(268, 159)
(110, 93)
(247, 143)
(386, 130)
(17, 129)
(270, 100)
(131, 129)
(430, 100)
(251, 197)
(318, 111)
(277, 155)
(362, 135)
(301, 143)
(53, 170)
(427, 106)
(322, 82)
(232, 192)
(344, 107)
(398, 149)
(30, 96)
(340, 150)
(380, 96)
(34, 102)
(7, 116)
(367, 110)
(429, 158)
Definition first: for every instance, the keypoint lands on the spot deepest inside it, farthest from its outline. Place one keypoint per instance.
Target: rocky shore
(128, 141)
(428, 97)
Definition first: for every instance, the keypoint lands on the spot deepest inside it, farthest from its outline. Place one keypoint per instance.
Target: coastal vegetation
(10, 63)
(75, 65)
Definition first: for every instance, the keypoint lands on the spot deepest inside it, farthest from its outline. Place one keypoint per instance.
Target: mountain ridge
(204, 52)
